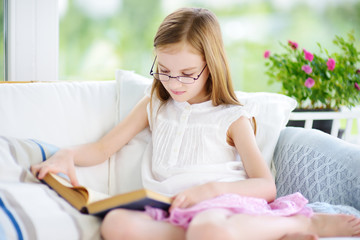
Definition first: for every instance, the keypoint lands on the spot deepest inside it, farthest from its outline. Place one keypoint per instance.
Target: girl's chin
(178, 99)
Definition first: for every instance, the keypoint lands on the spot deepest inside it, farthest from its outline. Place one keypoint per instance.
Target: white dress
(189, 146)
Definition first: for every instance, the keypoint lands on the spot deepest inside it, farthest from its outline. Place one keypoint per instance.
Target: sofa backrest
(60, 113)
(67, 114)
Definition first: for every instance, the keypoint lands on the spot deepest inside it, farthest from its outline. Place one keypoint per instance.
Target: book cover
(91, 202)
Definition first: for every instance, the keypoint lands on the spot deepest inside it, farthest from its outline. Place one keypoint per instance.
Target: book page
(97, 203)
(96, 196)
(89, 194)
(60, 178)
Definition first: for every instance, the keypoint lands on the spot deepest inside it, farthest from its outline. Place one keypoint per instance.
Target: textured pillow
(323, 168)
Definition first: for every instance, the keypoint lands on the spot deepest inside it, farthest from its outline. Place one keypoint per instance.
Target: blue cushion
(321, 167)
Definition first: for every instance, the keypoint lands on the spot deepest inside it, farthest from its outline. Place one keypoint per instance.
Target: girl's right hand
(61, 162)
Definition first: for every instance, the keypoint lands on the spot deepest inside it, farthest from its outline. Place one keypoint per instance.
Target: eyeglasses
(165, 77)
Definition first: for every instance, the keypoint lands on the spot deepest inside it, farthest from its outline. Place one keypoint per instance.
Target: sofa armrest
(321, 167)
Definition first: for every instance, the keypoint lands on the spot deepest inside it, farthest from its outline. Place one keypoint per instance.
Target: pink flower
(293, 45)
(356, 85)
(267, 54)
(309, 83)
(331, 64)
(307, 69)
(358, 71)
(308, 55)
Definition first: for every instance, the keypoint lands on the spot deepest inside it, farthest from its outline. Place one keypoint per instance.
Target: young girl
(204, 152)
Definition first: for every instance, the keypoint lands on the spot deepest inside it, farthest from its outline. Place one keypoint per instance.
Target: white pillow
(130, 89)
(271, 111)
(125, 165)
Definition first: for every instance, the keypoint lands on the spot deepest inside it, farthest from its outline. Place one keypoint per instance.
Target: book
(91, 202)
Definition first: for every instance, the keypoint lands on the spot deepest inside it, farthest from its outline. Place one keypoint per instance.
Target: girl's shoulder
(220, 115)
(233, 112)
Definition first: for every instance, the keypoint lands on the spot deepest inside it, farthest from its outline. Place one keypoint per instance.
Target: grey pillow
(321, 167)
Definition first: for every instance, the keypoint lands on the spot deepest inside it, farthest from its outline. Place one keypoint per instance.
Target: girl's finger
(178, 201)
(34, 170)
(46, 169)
(73, 178)
(42, 172)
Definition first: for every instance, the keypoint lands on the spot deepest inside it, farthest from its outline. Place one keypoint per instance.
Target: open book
(91, 202)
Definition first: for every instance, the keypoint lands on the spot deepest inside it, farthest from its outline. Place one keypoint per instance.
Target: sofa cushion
(61, 113)
(30, 209)
(323, 207)
(34, 211)
(319, 166)
(17, 155)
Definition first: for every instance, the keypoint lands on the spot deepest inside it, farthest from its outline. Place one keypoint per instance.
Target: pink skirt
(284, 206)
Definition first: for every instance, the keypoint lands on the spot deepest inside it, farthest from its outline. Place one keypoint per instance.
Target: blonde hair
(199, 28)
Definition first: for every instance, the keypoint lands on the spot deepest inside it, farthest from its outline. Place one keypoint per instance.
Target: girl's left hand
(193, 195)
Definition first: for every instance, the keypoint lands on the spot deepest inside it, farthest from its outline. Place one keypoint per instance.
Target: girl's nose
(174, 83)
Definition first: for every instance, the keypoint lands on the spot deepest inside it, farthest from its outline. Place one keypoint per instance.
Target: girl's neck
(199, 100)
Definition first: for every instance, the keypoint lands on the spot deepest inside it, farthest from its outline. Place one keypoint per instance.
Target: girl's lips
(177, 92)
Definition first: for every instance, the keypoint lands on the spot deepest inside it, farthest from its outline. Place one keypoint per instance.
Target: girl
(198, 130)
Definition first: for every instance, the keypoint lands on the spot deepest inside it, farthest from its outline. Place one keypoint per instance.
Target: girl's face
(182, 60)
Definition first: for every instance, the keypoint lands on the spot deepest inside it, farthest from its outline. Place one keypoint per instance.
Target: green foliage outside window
(93, 48)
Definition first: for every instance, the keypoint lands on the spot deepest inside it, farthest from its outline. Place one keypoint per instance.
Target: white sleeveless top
(189, 146)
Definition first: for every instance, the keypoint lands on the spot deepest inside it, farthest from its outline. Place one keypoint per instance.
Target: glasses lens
(161, 77)
(186, 80)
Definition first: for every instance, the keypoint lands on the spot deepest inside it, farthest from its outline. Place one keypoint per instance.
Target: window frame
(32, 44)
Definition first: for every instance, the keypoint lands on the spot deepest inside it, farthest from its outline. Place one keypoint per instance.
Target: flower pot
(322, 125)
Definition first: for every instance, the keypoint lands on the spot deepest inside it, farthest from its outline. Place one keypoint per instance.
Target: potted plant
(318, 81)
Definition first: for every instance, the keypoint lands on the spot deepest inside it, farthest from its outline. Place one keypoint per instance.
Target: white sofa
(65, 114)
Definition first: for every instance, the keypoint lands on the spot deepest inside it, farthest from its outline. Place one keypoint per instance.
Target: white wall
(33, 33)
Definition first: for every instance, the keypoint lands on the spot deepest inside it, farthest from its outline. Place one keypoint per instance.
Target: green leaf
(332, 88)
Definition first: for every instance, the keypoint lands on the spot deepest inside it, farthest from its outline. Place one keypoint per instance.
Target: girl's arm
(114, 140)
(95, 153)
(260, 183)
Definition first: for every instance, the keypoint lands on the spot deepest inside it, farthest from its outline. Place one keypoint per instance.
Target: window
(31, 40)
(2, 49)
(97, 37)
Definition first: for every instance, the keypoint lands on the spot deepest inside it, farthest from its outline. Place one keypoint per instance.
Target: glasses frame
(176, 77)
